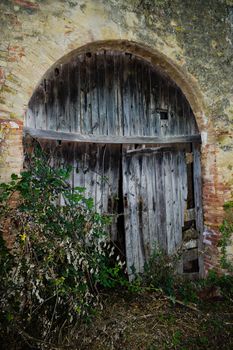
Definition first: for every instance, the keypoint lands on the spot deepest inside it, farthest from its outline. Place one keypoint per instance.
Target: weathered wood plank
(113, 93)
(126, 97)
(134, 115)
(112, 181)
(89, 138)
(90, 82)
(160, 203)
(38, 109)
(74, 105)
(101, 91)
(177, 228)
(169, 201)
(116, 95)
(84, 96)
(189, 214)
(143, 209)
(129, 214)
(148, 150)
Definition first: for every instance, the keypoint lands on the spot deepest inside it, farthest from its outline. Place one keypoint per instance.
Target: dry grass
(143, 321)
(149, 321)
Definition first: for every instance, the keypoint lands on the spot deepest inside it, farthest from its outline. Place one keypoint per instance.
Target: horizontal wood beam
(75, 137)
(147, 150)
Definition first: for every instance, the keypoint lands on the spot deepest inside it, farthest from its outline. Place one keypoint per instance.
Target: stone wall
(191, 40)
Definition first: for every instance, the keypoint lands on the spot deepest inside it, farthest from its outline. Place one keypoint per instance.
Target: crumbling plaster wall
(192, 40)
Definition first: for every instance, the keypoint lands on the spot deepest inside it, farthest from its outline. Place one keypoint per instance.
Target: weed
(61, 255)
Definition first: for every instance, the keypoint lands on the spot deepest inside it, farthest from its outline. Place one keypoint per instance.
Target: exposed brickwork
(211, 259)
(11, 148)
(27, 4)
(16, 53)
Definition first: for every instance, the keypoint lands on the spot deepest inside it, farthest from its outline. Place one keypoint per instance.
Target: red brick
(27, 4)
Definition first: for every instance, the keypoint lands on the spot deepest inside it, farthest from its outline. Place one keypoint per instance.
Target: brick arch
(28, 71)
(213, 195)
(154, 57)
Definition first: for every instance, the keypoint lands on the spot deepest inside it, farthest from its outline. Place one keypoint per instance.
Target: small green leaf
(80, 189)
(89, 203)
(14, 177)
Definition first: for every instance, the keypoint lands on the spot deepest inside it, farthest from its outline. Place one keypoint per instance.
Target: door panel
(155, 190)
(95, 167)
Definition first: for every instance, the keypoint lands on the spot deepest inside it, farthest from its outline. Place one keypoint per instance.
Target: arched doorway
(133, 143)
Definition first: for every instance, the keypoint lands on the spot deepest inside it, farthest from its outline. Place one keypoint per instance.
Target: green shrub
(223, 282)
(160, 271)
(50, 277)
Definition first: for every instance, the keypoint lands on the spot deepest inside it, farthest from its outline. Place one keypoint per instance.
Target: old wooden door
(132, 140)
(155, 194)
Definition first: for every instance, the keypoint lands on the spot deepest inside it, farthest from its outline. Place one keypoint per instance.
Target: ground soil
(151, 321)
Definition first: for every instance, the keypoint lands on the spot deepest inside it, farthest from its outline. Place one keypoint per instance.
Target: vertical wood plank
(160, 204)
(141, 102)
(154, 104)
(110, 100)
(125, 95)
(101, 91)
(73, 96)
(120, 95)
(90, 82)
(83, 96)
(116, 120)
(127, 210)
(168, 198)
(88, 94)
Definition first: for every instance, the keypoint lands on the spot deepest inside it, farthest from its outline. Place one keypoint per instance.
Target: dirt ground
(149, 321)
